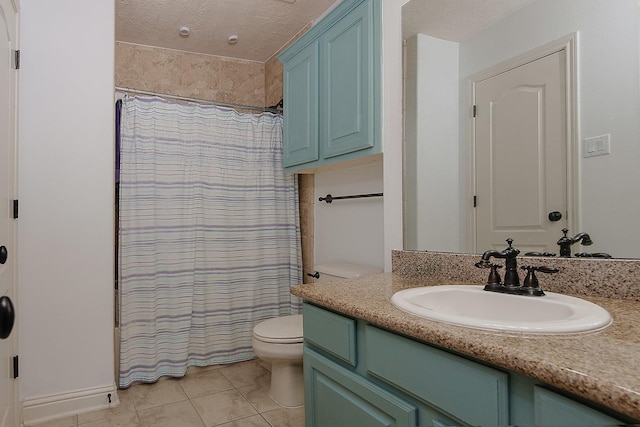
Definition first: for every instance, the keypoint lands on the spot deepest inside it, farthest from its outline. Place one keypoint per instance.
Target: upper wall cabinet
(332, 89)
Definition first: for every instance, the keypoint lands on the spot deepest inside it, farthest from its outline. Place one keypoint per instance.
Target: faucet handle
(531, 285)
(494, 276)
(546, 269)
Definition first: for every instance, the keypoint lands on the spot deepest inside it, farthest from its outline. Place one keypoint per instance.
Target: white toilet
(279, 340)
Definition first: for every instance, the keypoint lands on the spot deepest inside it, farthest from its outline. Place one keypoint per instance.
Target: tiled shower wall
(214, 78)
(192, 75)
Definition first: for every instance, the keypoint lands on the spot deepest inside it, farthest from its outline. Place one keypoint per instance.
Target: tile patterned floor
(227, 396)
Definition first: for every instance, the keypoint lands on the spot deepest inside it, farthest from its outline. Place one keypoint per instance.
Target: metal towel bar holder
(329, 198)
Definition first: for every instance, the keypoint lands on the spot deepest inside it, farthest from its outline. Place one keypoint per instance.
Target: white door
(521, 156)
(7, 223)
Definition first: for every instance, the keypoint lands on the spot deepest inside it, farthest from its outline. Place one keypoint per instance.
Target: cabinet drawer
(331, 332)
(474, 393)
(337, 397)
(552, 409)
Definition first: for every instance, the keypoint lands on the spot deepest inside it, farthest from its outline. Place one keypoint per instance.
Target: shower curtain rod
(200, 101)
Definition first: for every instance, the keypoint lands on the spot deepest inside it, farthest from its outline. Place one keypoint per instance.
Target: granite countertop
(600, 366)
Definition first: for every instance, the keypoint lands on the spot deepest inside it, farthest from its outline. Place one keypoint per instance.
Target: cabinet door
(474, 393)
(301, 107)
(551, 409)
(347, 76)
(337, 397)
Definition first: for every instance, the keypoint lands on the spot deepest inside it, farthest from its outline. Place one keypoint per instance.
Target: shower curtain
(209, 236)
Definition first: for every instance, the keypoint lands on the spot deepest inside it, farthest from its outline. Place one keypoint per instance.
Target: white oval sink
(471, 306)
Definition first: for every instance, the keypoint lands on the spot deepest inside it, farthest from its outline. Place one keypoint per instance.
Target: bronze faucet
(511, 283)
(509, 255)
(566, 242)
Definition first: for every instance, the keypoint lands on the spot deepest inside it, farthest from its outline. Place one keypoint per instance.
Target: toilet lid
(284, 330)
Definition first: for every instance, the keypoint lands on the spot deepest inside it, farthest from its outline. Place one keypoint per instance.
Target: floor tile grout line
(252, 366)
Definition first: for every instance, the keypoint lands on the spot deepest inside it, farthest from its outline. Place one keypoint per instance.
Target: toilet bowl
(279, 341)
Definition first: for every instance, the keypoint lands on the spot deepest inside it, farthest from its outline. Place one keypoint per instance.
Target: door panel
(521, 156)
(347, 98)
(301, 108)
(7, 223)
(337, 397)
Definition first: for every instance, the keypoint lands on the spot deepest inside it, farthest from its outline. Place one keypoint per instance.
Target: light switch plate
(596, 146)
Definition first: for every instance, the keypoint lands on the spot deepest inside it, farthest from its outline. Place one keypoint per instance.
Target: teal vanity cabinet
(356, 374)
(552, 409)
(332, 89)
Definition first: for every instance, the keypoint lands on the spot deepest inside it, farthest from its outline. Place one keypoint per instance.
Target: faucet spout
(565, 242)
(586, 239)
(486, 257)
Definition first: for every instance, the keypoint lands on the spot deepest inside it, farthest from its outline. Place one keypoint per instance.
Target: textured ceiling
(455, 20)
(262, 26)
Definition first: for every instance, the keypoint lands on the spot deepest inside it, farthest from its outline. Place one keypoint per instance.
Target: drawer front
(331, 332)
(471, 392)
(337, 397)
(552, 409)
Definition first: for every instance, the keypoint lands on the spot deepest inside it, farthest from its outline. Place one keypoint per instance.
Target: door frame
(569, 44)
(16, 413)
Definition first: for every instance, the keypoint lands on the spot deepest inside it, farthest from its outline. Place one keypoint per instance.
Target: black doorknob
(7, 317)
(3, 254)
(555, 216)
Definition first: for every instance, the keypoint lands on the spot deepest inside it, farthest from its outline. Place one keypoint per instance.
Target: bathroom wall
(350, 230)
(189, 74)
(65, 235)
(273, 81)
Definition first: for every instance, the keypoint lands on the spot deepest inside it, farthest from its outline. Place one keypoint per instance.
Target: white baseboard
(47, 408)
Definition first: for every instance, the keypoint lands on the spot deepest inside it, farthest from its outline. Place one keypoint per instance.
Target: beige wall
(189, 74)
(215, 78)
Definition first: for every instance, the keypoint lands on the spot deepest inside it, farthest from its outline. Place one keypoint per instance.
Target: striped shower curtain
(209, 235)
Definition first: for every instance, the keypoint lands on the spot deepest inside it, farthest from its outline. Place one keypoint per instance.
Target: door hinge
(15, 209)
(475, 110)
(475, 201)
(15, 366)
(16, 59)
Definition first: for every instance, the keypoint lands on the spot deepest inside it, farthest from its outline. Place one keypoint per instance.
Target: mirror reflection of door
(8, 22)
(521, 155)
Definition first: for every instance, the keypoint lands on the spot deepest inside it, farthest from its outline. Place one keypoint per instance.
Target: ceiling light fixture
(184, 32)
(233, 39)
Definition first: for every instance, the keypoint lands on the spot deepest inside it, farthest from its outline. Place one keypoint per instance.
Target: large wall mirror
(451, 48)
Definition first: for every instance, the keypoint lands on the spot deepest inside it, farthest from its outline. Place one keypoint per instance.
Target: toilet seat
(280, 330)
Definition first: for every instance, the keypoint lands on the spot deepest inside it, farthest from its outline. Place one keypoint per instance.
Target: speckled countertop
(600, 366)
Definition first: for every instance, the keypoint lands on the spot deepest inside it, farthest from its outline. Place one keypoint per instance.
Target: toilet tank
(342, 270)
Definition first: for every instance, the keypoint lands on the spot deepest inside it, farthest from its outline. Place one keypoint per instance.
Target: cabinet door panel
(301, 108)
(331, 332)
(551, 409)
(470, 391)
(347, 75)
(336, 397)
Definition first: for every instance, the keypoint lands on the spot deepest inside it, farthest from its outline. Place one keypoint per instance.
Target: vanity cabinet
(552, 409)
(332, 89)
(357, 374)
